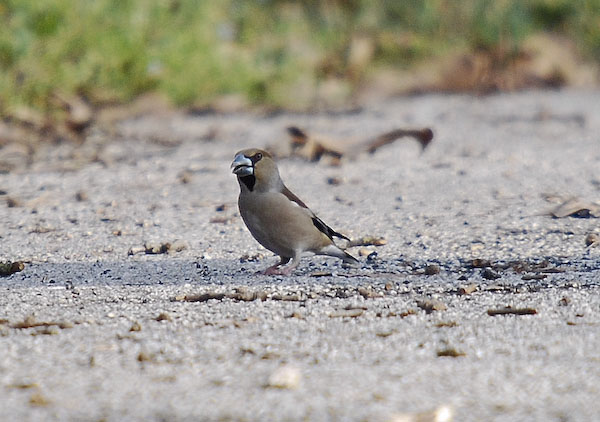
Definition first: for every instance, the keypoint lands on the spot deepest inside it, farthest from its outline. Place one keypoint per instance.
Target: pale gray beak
(242, 166)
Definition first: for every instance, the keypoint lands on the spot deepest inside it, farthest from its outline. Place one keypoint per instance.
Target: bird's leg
(288, 270)
(274, 270)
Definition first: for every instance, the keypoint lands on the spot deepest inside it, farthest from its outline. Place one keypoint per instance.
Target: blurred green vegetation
(194, 51)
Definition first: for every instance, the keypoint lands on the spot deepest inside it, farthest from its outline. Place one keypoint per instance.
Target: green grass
(193, 51)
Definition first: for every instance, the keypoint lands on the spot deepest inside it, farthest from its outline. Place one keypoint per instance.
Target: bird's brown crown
(255, 154)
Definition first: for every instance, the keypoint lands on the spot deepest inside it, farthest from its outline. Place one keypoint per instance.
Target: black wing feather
(326, 229)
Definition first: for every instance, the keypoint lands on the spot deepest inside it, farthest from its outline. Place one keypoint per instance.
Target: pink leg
(276, 270)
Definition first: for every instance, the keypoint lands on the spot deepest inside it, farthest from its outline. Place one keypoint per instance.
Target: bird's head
(255, 168)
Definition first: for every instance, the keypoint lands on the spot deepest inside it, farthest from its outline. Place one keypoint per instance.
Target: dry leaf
(575, 207)
(511, 311)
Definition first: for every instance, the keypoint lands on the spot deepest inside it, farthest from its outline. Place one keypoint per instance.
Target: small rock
(8, 268)
(50, 330)
(480, 263)
(364, 252)
(185, 177)
(286, 377)
(14, 155)
(81, 196)
(251, 258)
(592, 239)
(404, 314)
(490, 274)
(297, 315)
(144, 357)
(37, 399)
(368, 293)
(290, 297)
(467, 290)
(12, 202)
(565, 301)
(430, 305)
(157, 248)
(432, 269)
(163, 316)
(245, 295)
(321, 274)
(135, 327)
(178, 246)
(441, 414)
(527, 277)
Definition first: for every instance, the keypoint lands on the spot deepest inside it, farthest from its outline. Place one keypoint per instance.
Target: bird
(277, 218)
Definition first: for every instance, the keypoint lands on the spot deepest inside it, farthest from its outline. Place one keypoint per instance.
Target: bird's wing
(319, 224)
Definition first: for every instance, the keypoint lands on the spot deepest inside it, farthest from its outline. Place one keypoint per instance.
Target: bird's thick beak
(242, 166)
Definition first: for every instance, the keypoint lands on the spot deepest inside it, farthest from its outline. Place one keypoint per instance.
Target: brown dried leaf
(450, 352)
(202, 297)
(346, 313)
(313, 147)
(367, 241)
(37, 399)
(30, 322)
(511, 311)
(574, 207)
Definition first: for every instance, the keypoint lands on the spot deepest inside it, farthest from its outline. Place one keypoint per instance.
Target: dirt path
(96, 328)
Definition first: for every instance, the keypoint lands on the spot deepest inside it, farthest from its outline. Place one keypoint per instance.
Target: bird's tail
(349, 259)
(333, 250)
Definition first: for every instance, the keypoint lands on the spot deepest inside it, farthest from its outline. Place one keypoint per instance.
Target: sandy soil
(96, 329)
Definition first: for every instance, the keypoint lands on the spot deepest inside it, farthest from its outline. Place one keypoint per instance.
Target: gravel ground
(96, 329)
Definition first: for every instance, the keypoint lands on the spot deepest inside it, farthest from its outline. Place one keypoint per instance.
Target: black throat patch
(249, 181)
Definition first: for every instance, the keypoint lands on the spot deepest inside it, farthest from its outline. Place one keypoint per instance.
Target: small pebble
(467, 290)
(592, 239)
(285, 377)
(489, 274)
(430, 305)
(432, 269)
(364, 252)
(136, 327)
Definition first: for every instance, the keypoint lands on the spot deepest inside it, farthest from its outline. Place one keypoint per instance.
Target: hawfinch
(276, 217)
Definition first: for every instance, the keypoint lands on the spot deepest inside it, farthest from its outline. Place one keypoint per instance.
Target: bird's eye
(258, 156)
